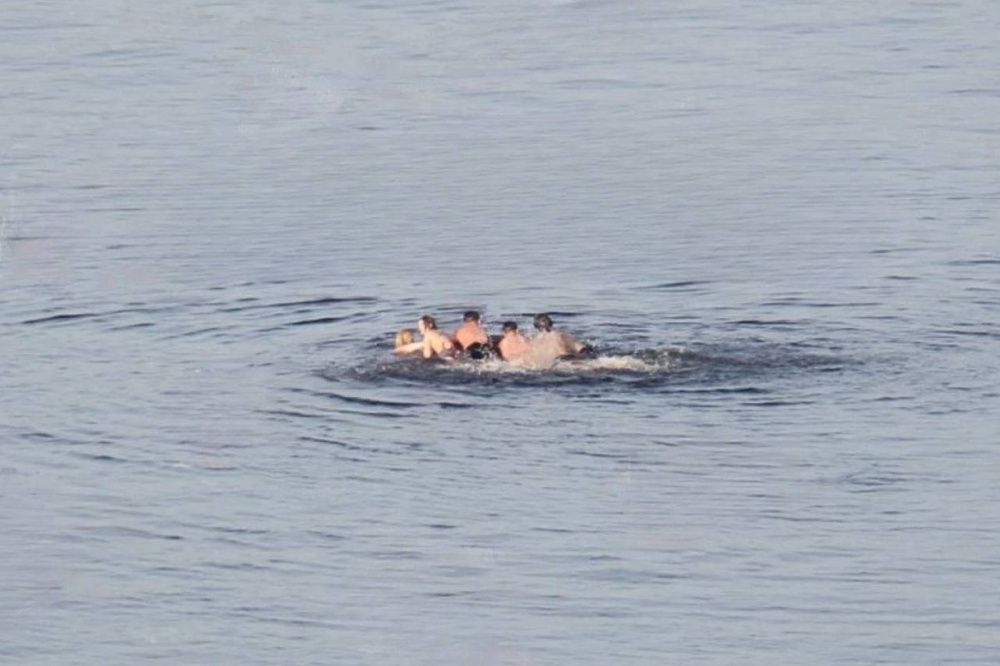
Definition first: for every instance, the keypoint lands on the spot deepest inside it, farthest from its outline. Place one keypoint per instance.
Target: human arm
(582, 348)
(577, 347)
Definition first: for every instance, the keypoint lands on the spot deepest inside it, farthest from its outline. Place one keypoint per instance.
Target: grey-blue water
(778, 222)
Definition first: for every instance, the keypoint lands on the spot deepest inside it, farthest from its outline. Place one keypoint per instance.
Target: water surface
(778, 224)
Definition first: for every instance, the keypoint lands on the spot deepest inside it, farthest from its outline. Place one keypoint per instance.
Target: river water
(778, 223)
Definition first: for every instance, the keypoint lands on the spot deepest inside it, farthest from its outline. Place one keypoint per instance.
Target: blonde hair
(404, 337)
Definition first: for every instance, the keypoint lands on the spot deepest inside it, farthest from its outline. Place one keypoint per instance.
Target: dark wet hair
(471, 315)
(429, 322)
(509, 326)
(543, 322)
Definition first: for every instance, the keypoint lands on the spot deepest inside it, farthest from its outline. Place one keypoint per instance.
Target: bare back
(513, 346)
(548, 347)
(436, 344)
(471, 333)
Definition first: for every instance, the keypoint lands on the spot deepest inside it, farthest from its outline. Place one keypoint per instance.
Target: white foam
(612, 363)
(580, 366)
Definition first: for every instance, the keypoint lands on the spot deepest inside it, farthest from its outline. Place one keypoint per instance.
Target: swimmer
(513, 344)
(405, 346)
(435, 343)
(551, 345)
(471, 332)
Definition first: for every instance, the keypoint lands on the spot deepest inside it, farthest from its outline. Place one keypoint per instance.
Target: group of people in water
(472, 340)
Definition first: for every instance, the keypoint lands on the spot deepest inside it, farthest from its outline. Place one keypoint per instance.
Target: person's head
(471, 315)
(404, 337)
(509, 327)
(543, 322)
(427, 323)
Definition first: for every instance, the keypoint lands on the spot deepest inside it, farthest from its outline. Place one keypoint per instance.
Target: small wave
(61, 317)
(684, 285)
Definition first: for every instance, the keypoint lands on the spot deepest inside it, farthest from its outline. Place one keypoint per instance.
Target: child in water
(405, 346)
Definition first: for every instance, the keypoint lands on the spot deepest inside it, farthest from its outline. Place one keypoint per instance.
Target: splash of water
(612, 363)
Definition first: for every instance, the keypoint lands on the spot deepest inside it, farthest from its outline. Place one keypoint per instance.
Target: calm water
(777, 221)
